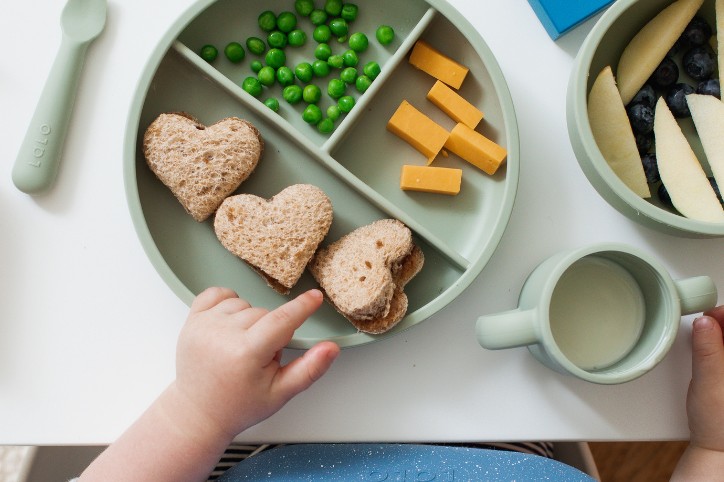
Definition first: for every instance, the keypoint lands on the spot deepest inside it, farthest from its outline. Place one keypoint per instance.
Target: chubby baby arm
(703, 459)
(229, 377)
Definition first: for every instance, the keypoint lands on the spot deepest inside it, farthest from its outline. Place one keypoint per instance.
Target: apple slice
(681, 172)
(708, 114)
(614, 136)
(651, 44)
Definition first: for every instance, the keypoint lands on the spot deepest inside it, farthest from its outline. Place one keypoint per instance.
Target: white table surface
(88, 328)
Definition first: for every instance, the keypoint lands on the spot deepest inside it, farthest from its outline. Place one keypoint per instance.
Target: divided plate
(358, 165)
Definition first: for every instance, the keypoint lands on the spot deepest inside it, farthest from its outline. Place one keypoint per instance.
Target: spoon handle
(37, 163)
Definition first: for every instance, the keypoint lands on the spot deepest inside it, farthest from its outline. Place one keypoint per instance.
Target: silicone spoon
(36, 166)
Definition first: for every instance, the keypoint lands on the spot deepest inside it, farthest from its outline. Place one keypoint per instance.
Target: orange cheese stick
(418, 130)
(437, 64)
(439, 180)
(475, 148)
(454, 105)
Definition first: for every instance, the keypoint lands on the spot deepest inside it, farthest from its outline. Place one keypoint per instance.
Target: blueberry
(666, 74)
(644, 142)
(651, 168)
(709, 87)
(664, 196)
(697, 32)
(699, 63)
(715, 186)
(645, 96)
(676, 99)
(676, 48)
(642, 118)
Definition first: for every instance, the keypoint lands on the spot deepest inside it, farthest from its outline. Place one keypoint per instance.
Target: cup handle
(696, 294)
(507, 329)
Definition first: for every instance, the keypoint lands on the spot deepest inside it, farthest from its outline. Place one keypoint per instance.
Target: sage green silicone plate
(358, 166)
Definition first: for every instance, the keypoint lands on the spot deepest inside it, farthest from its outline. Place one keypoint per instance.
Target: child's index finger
(274, 331)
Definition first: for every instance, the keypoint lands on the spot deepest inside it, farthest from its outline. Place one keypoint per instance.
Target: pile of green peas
(337, 52)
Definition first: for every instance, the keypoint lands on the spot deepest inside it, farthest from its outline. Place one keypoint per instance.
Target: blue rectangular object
(560, 16)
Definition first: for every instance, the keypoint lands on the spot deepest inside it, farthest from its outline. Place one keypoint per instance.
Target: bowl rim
(509, 126)
(580, 126)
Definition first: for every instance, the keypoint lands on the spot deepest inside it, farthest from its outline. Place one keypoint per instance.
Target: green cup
(606, 313)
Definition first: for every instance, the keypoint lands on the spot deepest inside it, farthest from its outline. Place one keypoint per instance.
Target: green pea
(338, 26)
(297, 38)
(348, 75)
(304, 7)
(336, 88)
(285, 76)
(333, 112)
(349, 12)
(311, 94)
(234, 52)
(342, 39)
(322, 33)
(304, 71)
(336, 61)
(362, 83)
(255, 45)
(350, 58)
(371, 70)
(358, 42)
(323, 51)
(320, 68)
(286, 22)
(312, 114)
(333, 7)
(272, 103)
(385, 34)
(325, 126)
(256, 66)
(252, 86)
(275, 58)
(318, 17)
(266, 76)
(345, 103)
(292, 94)
(267, 21)
(277, 39)
(208, 53)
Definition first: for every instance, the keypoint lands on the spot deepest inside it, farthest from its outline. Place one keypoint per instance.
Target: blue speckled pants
(396, 462)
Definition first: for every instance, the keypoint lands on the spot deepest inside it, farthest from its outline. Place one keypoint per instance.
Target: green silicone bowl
(358, 165)
(603, 47)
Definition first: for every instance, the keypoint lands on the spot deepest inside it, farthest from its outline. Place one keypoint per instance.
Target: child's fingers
(230, 306)
(301, 373)
(273, 331)
(717, 313)
(707, 351)
(249, 316)
(210, 297)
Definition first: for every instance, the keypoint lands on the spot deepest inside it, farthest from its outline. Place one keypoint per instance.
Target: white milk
(597, 313)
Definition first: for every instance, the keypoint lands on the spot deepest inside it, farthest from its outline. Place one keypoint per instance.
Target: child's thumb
(708, 351)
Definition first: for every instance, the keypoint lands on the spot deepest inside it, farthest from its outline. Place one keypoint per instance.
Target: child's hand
(228, 378)
(705, 401)
(228, 358)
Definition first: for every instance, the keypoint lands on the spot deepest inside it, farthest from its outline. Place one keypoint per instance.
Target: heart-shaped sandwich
(364, 273)
(201, 165)
(276, 237)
